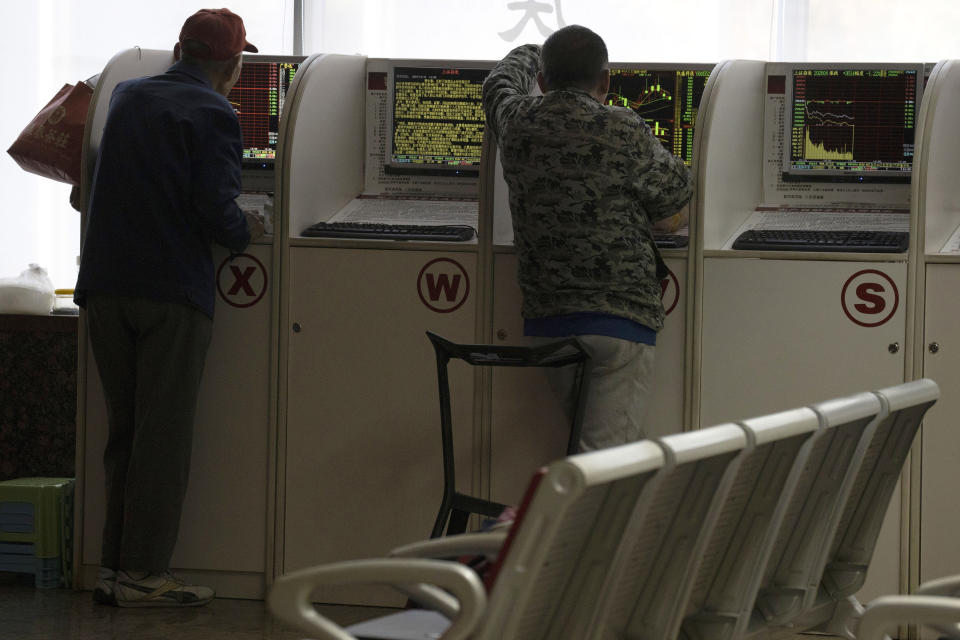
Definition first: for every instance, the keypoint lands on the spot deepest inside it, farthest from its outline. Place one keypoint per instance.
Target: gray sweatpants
(620, 375)
(150, 356)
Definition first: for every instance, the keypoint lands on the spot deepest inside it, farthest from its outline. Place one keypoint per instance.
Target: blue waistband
(588, 323)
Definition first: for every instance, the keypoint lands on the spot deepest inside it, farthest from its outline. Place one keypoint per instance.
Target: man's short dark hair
(573, 57)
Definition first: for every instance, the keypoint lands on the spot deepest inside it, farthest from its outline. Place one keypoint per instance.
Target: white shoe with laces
(139, 589)
(103, 591)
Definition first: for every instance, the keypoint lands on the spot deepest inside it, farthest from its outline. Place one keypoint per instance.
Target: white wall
(50, 42)
(672, 30)
(870, 30)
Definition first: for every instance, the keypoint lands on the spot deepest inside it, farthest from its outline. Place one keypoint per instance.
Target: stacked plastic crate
(36, 516)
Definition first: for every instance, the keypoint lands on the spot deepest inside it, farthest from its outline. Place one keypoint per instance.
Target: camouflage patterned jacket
(586, 182)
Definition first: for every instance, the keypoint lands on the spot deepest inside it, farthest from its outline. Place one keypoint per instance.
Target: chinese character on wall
(532, 10)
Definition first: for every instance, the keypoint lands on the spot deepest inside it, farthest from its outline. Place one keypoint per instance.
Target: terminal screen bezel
(425, 168)
(791, 173)
(258, 166)
(659, 67)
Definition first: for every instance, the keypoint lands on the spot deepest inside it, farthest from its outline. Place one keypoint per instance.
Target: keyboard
(670, 241)
(378, 231)
(832, 240)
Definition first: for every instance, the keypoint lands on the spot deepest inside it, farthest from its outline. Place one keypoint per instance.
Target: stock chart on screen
(258, 98)
(851, 121)
(667, 99)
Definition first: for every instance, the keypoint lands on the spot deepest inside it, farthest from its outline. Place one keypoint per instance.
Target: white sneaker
(134, 589)
(103, 591)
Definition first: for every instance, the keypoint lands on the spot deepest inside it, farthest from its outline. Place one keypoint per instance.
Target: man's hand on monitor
(254, 224)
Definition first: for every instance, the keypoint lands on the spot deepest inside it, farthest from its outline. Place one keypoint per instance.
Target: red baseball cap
(220, 29)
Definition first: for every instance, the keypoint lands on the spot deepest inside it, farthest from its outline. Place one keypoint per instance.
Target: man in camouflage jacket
(587, 182)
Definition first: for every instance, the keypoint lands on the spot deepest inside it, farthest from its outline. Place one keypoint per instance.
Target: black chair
(456, 507)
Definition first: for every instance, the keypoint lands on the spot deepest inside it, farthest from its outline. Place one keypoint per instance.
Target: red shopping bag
(51, 144)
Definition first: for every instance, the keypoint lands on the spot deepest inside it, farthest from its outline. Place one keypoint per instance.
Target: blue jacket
(166, 178)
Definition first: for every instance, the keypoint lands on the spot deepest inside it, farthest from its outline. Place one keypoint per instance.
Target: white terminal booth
(779, 329)
(318, 426)
(936, 199)
(225, 526)
(359, 417)
(360, 469)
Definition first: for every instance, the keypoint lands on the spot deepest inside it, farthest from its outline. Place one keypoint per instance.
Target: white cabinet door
(363, 459)
(224, 515)
(940, 449)
(669, 392)
(783, 333)
(528, 428)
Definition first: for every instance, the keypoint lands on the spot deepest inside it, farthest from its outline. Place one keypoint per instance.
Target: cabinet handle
(894, 347)
(934, 347)
(297, 327)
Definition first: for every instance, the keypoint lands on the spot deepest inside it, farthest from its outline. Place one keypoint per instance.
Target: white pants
(620, 375)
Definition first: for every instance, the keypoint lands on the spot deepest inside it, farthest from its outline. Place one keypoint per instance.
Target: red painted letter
(867, 292)
(441, 284)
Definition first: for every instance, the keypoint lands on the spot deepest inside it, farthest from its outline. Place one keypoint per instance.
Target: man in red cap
(164, 190)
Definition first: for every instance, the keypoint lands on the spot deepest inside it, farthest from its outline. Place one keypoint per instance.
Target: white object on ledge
(29, 293)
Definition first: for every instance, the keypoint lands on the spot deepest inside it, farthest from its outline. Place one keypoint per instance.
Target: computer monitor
(851, 123)
(667, 97)
(258, 98)
(435, 118)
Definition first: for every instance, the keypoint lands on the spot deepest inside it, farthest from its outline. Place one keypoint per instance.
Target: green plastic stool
(36, 517)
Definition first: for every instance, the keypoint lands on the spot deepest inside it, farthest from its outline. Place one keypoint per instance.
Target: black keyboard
(806, 240)
(670, 241)
(376, 231)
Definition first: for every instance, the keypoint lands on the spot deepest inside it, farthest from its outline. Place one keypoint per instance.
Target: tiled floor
(27, 613)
